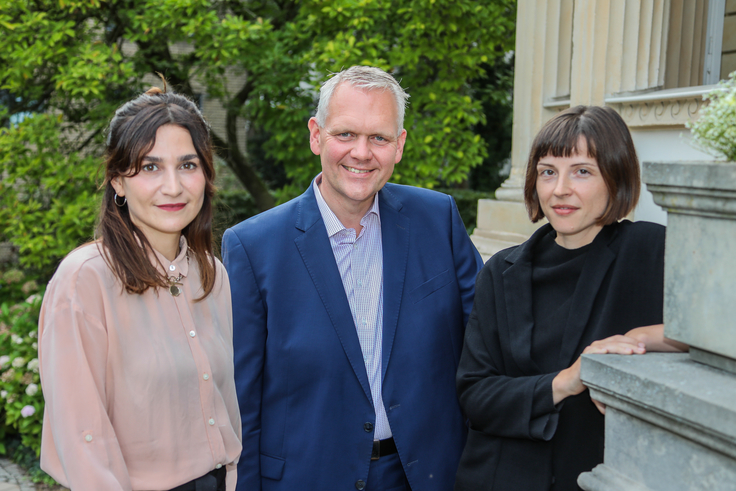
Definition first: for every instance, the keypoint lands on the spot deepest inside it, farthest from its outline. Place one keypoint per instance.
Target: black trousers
(212, 481)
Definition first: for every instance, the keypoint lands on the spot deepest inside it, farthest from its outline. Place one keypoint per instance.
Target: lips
(173, 207)
(564, 210)
(353, 170)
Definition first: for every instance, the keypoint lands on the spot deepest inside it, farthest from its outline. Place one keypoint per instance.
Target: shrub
(715, 130)
(20, 384)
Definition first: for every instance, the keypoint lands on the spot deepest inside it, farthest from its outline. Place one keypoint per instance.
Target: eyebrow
(158, 160)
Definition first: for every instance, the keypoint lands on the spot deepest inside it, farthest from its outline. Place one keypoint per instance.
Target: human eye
(149, 168)
(546, 172)
(189, 166)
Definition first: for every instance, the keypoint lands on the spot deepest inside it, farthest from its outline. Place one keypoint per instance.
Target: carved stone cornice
(673, 107)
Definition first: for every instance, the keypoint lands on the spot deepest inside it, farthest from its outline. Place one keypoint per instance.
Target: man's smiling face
(358, 146)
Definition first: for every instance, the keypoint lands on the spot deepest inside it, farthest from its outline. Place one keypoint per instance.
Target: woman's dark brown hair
(609, 143)
(131, 136)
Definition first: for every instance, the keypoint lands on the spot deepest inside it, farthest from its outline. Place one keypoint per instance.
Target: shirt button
(360, 484)
(218, 466)
(365, 322)
(172, 267)
(211, 422)
(192, 333)
(88, 438)
(206, 376)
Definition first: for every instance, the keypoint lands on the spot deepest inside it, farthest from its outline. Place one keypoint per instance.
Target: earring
(119, 205)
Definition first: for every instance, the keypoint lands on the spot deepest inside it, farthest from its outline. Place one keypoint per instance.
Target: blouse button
(218, 466)
(211, 422)
(172, 267)
(88, 438)
(206, 376)
(192, 333)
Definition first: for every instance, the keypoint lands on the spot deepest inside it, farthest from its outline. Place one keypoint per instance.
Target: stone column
(671, 418)
(503, 222)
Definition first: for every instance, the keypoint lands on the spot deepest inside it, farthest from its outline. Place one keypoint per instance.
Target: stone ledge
(604, 478)
(668, 390)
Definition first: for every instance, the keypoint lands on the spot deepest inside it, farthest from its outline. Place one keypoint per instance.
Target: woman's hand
(567, 383)
(654, 340)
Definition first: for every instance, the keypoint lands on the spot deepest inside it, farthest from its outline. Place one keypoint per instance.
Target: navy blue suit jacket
(302, 385)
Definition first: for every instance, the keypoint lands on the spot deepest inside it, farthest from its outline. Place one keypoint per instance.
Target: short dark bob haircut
(609, 143)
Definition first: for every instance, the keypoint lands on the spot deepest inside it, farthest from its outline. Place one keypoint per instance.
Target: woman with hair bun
(135, 333)
(586, 282)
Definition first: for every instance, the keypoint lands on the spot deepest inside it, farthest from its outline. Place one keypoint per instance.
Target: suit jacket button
(360, 484)
(368, 427)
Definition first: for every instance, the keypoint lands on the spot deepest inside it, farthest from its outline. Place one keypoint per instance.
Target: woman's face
(573, 196)
(168, 192)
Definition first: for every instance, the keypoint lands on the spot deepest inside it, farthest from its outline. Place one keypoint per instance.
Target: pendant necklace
(173, 285)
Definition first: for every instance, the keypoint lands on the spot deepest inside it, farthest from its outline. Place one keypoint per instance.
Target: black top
(523, 331)
(555, 274)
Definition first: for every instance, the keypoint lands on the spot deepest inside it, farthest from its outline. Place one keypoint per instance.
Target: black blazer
(518, 439)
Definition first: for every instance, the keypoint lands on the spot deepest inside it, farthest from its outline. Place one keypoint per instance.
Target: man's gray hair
(367, 78)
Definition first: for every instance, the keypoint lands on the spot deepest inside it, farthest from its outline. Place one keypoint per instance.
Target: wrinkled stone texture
(700, 267)
(670, 423)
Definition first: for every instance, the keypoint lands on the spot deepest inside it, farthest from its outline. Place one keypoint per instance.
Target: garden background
(66, 65)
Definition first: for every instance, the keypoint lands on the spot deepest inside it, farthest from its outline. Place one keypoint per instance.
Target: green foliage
(27, 458)
(715, 130)
(467, 204)
(88, 57)
(20, 391)
(48, 191)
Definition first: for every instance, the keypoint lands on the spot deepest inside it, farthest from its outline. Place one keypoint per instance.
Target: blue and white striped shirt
(360, 261)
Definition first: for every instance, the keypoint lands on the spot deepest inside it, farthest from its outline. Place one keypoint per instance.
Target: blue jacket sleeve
(467, 260)
(249, 350)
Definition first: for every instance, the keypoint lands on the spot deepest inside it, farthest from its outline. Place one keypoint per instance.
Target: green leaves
(715, 130)
(75, 61)
(48, 193)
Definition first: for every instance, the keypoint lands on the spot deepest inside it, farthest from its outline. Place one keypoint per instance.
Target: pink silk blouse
(139, 389)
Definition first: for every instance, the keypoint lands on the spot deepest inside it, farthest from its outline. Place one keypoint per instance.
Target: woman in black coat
(584, 283)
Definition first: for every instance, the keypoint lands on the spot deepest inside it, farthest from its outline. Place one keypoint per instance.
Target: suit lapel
(395, 239)
(597, 263)
(316, 252)
(517, 282)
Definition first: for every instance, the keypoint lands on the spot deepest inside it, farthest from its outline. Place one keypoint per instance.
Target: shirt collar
(180, 263)
(332, 223)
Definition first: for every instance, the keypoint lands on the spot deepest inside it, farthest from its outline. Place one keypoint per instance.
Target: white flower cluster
(716, 128)
(18, 362)
(4, 360)
(33, 365)
(32, 389)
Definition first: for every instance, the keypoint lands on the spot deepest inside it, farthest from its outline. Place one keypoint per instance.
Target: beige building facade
(650, 60)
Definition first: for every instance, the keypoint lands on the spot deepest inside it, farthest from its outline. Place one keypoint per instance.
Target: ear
(400, 146)
(314, 134)
(117, 184)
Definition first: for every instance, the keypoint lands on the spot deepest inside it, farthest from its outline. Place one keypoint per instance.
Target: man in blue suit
(349, 306)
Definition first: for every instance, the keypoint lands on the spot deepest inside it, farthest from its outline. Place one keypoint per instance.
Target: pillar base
(670, 423)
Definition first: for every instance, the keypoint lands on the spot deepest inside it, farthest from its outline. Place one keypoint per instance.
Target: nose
(171, 185)
(361, 149)
(562, 186)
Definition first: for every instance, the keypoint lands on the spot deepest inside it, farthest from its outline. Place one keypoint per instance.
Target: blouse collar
(180, 264)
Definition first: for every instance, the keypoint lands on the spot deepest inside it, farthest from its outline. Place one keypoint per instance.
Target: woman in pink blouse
(136, 329)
